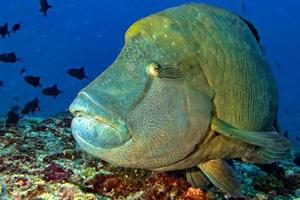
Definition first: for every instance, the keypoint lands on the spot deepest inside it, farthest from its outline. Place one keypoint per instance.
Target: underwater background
(90, 34)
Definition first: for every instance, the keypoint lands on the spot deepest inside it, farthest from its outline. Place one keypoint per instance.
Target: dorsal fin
(252, 29)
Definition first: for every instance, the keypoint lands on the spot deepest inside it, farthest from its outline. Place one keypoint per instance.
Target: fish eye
(154, 69)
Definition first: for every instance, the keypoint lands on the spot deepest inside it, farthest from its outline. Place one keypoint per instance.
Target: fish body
(16, 27)
(33, 80)
(51, 91)
(31, 106)
(9, 57)
(190, 88)
(1, 84)
(286, 133)
(4, 30)
(15, 108)
(253, 29)
(12, 118)
(77, 73)
(44, 7)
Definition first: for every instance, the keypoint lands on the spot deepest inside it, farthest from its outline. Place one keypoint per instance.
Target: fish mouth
(97, 125)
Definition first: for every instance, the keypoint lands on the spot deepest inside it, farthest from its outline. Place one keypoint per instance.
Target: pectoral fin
(196, 178)
(274, 145)
(222, 176)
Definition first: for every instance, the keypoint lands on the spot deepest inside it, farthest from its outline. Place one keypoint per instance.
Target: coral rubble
(39, 159)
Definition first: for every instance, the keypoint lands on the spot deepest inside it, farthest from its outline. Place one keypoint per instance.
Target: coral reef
(39, 159)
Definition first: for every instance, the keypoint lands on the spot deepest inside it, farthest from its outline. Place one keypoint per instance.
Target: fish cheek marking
(142, 96)
(172, 73)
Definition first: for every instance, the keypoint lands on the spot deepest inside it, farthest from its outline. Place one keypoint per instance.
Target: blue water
(91, 33)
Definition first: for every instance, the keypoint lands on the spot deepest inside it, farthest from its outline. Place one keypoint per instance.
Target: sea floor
(39, 159)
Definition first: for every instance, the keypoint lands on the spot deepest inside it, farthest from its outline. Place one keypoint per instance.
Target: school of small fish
(16, 113)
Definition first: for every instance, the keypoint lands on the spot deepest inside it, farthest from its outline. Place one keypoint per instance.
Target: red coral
(165, 186)
(156, 185)
(55, 172)
(115, 184)
(105, 183)
(194, 194)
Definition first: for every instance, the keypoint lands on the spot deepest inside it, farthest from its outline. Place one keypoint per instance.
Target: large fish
(190, 88)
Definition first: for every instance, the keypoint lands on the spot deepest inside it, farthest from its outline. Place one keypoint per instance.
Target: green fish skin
(190, 88)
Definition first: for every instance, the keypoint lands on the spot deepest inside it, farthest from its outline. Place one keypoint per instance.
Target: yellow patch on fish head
(147, 26)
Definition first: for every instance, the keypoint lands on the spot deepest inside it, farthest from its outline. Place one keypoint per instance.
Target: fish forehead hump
(225, 49)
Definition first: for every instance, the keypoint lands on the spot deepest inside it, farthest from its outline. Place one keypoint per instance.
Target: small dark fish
(9, 57)
(243, 6)
(44, 7)
(16, 27)
(277, 64)
(33, 80)
(77, 73)
(51, 91)
(12, 118)
(4, 30)
(1, 84)
(15, 108)
(297, 138)
(31, 107)
(22, 70)
(286, 134)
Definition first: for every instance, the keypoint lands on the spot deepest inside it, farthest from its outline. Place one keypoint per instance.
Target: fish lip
(87, 143)
(100, 116)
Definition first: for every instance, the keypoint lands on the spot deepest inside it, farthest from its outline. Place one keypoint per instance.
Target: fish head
(146, 110)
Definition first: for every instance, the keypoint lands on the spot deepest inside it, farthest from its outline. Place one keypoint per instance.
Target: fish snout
(97, 125)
